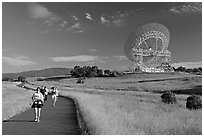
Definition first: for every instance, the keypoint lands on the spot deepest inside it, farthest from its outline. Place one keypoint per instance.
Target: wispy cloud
(48, 21)
(37, 11)
(64, 23)
(88, 16)
(77, 25)
(120, 57)
(77, 28)
(187, 8)
(75, 17)
(104, 20)
(18, 61)
(93, 50)
(51, 22)
(79, 58)
(88, 58)
(118, 18)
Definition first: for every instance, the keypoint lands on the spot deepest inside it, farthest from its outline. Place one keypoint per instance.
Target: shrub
(194, 102)
(22, 79)
(39, 79)
(107, 72)
(80, 81)
(168, 97)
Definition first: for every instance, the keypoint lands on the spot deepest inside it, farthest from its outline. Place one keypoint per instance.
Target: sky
(66, 34)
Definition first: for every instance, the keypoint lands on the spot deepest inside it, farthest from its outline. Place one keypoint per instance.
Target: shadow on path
(18, 121)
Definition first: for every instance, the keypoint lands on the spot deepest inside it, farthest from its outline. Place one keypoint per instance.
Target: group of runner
(40, 97)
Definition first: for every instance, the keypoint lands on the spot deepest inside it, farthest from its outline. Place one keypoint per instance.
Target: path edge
(81, 122)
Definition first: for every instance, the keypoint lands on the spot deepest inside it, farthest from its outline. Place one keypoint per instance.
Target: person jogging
(54, 94)
(42, 90)
(46, 92)
(38, 101)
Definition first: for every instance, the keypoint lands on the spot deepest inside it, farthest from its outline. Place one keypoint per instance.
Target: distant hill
(49, 72)
(188, 64)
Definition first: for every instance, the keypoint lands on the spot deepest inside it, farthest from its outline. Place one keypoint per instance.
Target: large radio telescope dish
(147, 47)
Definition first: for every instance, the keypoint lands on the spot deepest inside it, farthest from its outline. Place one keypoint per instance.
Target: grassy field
(14, 99)
(123, 106)
(140, 113)
(179, 83)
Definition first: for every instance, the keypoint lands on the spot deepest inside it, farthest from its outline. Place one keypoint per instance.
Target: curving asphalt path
(58, 120)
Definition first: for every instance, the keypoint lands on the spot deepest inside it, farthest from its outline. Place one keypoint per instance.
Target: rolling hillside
(188, 64)
(39, 73)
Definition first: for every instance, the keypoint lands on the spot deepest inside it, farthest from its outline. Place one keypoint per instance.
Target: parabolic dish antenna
(147, 47)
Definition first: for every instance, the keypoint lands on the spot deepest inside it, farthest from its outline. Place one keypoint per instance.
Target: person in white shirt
(38, 101)
(54, 94)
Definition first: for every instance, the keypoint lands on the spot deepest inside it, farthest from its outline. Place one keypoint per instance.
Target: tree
(77, 72)
(195, 70)
(188, 70)
(88, 71)
(168, 97)
(194, 102)
(182, 69)
(22, 79)
(94, 68)
(93, 72)
(174, 68)
(107, 72)
(115, 73)
(200, 69)
(100, 72)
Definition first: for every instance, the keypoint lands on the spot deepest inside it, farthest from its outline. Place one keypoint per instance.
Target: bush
(80, 81)
(194, 102)
(22, 79)
(107, 72)
(168, 97)
(39, 79)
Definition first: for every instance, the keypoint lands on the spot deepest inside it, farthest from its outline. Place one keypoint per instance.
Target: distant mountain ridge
(49, 72)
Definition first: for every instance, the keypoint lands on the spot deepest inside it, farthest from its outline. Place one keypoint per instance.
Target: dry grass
(127, 83)
(110, 109)
(141, 113)
(14, 99)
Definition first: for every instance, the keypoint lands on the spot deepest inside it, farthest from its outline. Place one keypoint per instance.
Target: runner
(46, 92)
(54, 94)
(37, 103)
(43, 91)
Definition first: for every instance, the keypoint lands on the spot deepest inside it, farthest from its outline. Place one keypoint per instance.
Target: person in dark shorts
(38, 101)
(54, 94)
(46, 93)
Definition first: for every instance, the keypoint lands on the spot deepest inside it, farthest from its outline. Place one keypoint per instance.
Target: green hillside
(49, 72)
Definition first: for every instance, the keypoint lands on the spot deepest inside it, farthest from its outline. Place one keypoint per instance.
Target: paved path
(58, 120)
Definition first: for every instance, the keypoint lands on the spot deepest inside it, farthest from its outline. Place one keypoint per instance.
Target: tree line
(19, 79)
(94, 71)
(188, 70)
